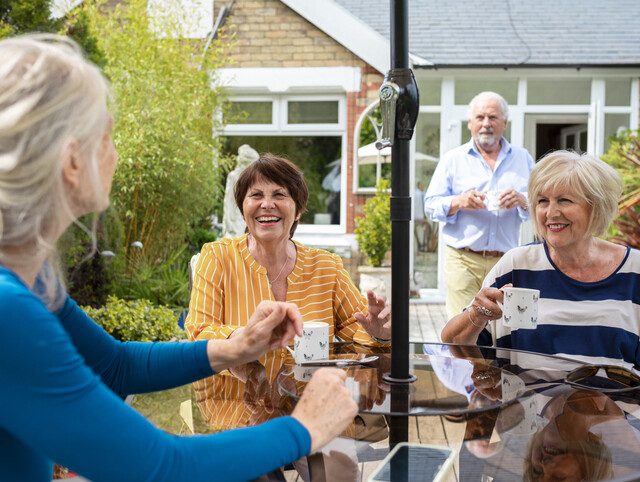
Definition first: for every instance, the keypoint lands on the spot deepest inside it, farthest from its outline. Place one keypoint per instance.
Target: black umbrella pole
(400, 219)
(401, 78)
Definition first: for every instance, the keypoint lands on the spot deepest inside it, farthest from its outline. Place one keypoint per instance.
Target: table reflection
(509, 415)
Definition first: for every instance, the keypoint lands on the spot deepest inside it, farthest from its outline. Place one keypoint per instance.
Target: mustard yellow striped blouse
(229, 284)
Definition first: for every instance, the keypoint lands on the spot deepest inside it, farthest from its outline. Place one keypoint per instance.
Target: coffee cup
(313, 344)
(520, 307)
(492, 200)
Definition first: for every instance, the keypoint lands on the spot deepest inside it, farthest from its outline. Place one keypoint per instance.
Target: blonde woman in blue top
(60, 373)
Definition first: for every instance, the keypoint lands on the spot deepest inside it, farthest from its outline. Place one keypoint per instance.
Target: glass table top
(452, 380)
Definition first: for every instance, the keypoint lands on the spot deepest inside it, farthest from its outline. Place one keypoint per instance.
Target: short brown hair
(277, 170)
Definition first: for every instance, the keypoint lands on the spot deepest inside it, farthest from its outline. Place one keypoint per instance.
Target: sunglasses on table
(615, 379)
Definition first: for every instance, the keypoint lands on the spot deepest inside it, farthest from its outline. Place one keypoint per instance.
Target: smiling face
(487, 123)
(269, 211)
(562, 218)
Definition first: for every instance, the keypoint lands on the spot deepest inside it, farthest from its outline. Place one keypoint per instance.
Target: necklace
(286, 261)
(271, 282)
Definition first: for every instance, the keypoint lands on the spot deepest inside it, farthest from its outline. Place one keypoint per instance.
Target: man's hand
(471, 199)
(271, 326)
(377, 321)
(512, 199)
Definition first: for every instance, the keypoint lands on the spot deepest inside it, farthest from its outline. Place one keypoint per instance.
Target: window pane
(320, 160)
(618, 92)
(315, 112)
(245, 112)
(429, 91)
(467, 89)
(465, 133)
(613, 123)
(425, 232)
(559, 91)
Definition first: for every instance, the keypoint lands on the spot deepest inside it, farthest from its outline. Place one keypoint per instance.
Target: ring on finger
(483, 310)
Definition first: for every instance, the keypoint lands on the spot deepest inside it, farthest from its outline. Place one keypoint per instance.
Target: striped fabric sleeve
(205, 319)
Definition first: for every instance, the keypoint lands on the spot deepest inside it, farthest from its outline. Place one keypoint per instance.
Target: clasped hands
(509, 198)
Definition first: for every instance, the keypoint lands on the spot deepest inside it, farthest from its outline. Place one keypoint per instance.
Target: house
(306, 73)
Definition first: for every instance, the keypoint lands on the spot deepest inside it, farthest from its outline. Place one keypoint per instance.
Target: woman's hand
(467, 326)
(485, 305)
(271, 326)
(326, 407)
(377, 321)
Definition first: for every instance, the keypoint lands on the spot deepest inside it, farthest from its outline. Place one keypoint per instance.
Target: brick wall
(270, 34)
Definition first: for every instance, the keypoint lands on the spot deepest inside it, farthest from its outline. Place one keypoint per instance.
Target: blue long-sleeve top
(60, 376)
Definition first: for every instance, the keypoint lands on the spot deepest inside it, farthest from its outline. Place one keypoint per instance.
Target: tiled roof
(515, 32)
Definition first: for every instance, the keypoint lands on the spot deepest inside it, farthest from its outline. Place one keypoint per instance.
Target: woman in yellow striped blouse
(232, 276)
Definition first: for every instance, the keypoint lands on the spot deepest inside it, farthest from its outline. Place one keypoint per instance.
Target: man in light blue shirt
(479, 191)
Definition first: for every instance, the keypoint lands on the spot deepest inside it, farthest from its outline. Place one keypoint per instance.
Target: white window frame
(281, 128)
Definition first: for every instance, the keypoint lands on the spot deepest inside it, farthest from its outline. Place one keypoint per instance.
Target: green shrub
(164, 122)
(373, 230)
(164, 283)
(136, 320)
(624, 156)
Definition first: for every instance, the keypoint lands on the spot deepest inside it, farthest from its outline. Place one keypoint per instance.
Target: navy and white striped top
(597, 322)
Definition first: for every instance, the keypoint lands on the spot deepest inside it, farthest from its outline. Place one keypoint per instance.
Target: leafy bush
(165, 179)
(373, 230)
(165, 283)
(624, 156)
(136, 320)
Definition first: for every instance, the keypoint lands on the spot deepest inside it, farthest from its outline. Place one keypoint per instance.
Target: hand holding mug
(326, 407)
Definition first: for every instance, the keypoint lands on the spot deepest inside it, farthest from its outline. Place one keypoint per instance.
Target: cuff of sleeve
(300, 433)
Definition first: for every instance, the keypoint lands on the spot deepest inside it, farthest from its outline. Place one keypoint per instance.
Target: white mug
(492, 200)
(520, 307)
(313, 344)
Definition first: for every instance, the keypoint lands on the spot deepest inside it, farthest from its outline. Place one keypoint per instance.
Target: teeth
(268, 219)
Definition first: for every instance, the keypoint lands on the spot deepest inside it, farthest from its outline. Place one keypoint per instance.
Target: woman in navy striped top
(589, 305)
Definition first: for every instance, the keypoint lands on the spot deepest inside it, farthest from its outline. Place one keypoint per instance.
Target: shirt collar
(505, 148)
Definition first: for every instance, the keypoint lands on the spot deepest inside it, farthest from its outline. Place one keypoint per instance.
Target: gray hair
(50, 97)
(485, 96)
(592, 180)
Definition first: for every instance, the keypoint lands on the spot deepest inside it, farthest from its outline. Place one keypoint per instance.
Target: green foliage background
(136, 320)
(164, 127)
(373, 229)
(624, 155)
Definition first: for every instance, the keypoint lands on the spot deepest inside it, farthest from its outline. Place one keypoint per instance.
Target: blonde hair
(592, 180)
(50, 98)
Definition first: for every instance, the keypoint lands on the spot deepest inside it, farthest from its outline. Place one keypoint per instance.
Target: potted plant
(373, 233)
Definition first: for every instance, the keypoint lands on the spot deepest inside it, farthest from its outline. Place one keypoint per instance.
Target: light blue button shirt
(462, 169)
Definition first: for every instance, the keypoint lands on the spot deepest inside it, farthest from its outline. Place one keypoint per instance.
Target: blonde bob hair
(51, 98)
(590, 179)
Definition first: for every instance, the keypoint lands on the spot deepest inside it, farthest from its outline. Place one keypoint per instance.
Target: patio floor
(426, 321)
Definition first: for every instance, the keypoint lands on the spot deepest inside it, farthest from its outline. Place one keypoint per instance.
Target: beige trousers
(464, 272)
